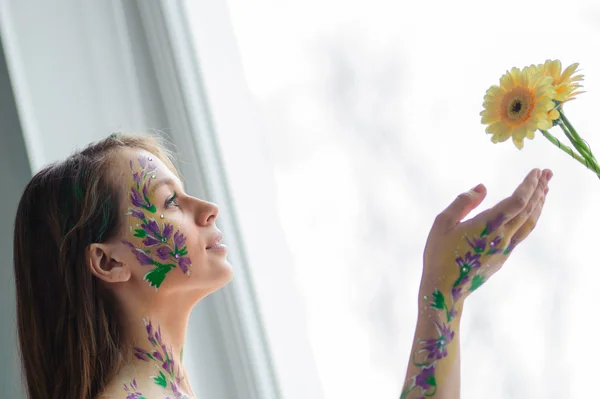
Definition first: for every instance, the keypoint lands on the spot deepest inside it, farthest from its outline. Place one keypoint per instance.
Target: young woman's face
(170, 238)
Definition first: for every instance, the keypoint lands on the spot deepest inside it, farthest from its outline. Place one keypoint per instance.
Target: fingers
(527, 227)
(506, 209)
(462, 205)
(520, 218)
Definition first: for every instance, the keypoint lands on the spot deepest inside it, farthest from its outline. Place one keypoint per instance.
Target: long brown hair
(69, 333)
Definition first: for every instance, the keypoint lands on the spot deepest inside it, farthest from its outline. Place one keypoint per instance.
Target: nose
(205, 212)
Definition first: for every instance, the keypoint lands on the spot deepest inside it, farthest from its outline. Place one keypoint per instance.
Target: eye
(171, 201)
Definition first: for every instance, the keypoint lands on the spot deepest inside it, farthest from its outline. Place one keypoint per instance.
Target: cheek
(160, 247)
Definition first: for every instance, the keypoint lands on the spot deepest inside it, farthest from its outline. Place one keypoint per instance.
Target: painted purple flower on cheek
(167, 231)
(137, 179)
(137, 199)
(164, 253)
(150, 241)
(184, 264)
(152, 228)
(179, 240)
(143, 257)
(137, 214)
(426, 379)
(145, 189)
(142, 161)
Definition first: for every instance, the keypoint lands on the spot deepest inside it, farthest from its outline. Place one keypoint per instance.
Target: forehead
(132, 160)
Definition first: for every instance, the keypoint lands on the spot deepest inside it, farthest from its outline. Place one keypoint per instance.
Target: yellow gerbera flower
(519, 106)
(564, 82)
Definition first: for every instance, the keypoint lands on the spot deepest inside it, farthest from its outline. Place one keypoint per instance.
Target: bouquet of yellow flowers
(531, 99)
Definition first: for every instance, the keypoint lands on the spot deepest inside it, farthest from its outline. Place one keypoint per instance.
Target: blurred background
(334, 132)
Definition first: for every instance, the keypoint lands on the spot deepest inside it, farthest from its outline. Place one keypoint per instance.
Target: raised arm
(459, 257)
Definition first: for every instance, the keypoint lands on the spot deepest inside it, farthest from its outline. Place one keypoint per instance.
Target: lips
(215, 241)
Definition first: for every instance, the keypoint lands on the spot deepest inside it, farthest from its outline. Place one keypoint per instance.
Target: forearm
(434, 364)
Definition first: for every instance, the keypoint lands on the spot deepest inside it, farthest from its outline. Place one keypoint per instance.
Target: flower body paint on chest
(161, 355)
(155, 244)
(132, 390)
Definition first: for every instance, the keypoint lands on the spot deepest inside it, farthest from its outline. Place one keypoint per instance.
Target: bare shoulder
(123, 387)
(133, 387)
(113, 390)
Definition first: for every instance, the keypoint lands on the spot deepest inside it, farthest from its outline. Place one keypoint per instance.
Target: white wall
(14, 174)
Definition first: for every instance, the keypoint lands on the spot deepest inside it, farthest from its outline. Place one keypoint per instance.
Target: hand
(460, 256)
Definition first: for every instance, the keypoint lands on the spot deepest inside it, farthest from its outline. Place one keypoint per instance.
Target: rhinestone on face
(163, 239)
(465, 269)
(149, 158)
(154, 176)
(162, 216)
(177, 256)
(425, 297)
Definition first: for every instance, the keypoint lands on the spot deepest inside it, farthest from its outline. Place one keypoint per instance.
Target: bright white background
(372, 111)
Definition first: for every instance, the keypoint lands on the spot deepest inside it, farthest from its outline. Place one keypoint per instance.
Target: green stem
(582, 150)
(569, 151)
(575, 135)
(415, 363)
(403, 396)
(432, 393)
(579, 146)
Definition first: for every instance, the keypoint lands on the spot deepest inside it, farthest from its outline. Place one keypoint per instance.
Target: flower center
(518, 105)
(517, 108)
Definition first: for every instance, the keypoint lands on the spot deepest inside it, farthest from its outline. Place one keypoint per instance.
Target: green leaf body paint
(477, 282)
(432, 350)
(162, 356)
(438, 300)
(163, 249)
(161, 379)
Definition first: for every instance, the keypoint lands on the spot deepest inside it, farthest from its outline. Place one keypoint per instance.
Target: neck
(154, 337)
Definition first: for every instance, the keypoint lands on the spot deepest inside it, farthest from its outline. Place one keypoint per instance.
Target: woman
(111, 255)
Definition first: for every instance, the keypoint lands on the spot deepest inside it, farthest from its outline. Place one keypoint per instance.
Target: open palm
(460, 256)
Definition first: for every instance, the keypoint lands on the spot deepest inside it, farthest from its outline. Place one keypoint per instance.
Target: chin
(217, 279)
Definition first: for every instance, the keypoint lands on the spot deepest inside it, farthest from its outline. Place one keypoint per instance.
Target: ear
(105, 265)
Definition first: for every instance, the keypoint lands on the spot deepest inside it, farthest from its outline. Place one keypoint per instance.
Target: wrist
(439, 304)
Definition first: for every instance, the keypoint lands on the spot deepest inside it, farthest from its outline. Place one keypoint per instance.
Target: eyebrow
(165, 181)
